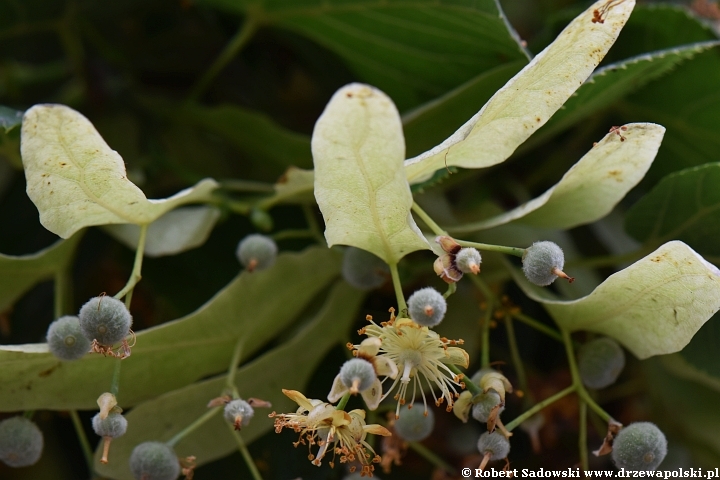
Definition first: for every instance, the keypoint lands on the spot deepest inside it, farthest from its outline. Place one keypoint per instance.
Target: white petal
(370, 347)
(385, 366)
(373, 395)
(337, 391)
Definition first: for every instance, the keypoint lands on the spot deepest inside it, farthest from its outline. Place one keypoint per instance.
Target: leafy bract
(20, 273)
(527, 101)
(295, 186)
(360, 184)
(175, 232)
(685, 205)
(9, 118)
(287, 366)
(257, 305)
(434, 121)
(76, 180)
(414, 51)
(592, 187)
(653, 307)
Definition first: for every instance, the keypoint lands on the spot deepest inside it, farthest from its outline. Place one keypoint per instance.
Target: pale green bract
(653, 307)
(527, 101)
(592, 187)
(76, 180)
(175, 232)
(360, 185)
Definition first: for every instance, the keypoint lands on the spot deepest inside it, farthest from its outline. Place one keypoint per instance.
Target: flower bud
(414, 424)
(256, 252)
(239, 413)
(357, 374)
(427, 307)
(468, 260)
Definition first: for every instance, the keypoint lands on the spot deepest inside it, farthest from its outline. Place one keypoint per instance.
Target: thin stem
(431, 457)
(343, 401)
(577, 381)
(517, 360)
(487, 318)
(135, 275)
(539, 406)
(469, 385)
(313, 224)
(402, 306)
(193, 426)
(452, 288)
(236, 43)
(518, 252)
(485, 335)
(115, 383)
(582, 437)
(245, 453)
(82, 438)
(428, 221)
(540, 327)
(232, 369)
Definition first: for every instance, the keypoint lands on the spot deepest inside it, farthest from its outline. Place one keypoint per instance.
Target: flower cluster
(341, 432)
(416, 353)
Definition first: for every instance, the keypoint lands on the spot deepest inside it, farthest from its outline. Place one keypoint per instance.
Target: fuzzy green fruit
(66, 339)
(154, 461)
(21, 442)
(639, 446)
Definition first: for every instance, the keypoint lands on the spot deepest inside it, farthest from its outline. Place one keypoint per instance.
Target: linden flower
(418, 352)
(319, 423)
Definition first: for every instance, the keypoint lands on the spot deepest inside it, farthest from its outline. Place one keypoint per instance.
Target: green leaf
(252, 133)
(257, 305)
(688, 407)
(288, 366)
(701, 353)
(653, 307)
(76, 180)
(19, 274)
(527, 101)
(680, 367)
(9, 118)
(685, 206)
(612, 83)
(175, 232)
(360, 182)
(592, 187)
(413, 51)
(690, 110)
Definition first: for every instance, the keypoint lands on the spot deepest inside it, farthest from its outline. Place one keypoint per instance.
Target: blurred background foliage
(230, 89)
